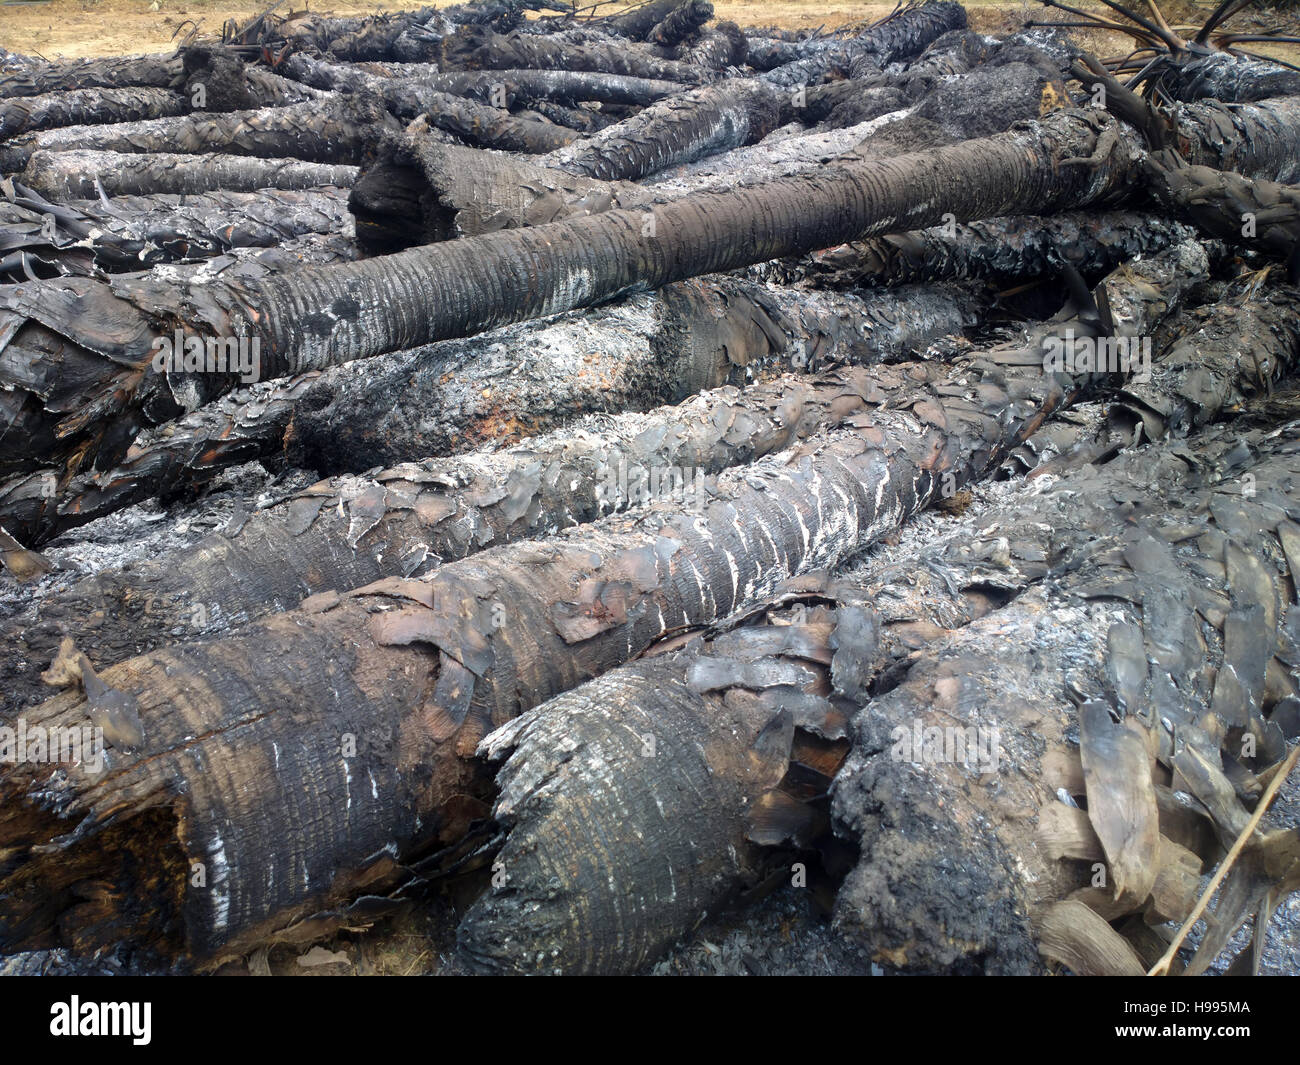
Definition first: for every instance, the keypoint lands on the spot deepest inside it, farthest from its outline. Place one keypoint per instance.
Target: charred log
(422, 670)
(82, 175)
(330, 131)
(466, 286)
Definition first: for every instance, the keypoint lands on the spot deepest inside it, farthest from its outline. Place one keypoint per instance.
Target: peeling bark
(417, 672)
(131, 232)
(676, 130)
(631, 806)
(80, 106)
(1160, 569)
(1000, 249)
(479, 48)
(102, 389)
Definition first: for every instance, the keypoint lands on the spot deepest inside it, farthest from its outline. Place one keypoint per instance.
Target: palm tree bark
(676, 130)
(1075, 673)
(679, 766)
(496, 388)
(80, 174)
(479, 48)
(1007, 249)
(94, 106)
(370, 705)
(116, 72)
(324, 131)
(131, 232)
(351, 530)
(313, 318)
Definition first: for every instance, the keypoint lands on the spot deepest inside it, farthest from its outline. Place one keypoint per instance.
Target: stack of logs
(625, 354)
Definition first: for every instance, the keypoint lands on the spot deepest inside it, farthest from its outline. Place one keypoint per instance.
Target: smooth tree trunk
(350, 724)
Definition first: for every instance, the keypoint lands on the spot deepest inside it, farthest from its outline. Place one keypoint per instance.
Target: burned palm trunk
(157, 71)
(313, 318)
(904, 33)
(479, 48)
(1257, 213)
(1230, 354)
(1085, 741)
(676, 130)
(132, 232)
(634, 805)
(652, 349)
(720, 47)
(80, 175)
(230, 742)
(492, 390)
(999, 249)
(682, 22)
(417, 191)
(1229, 79)
(326, 131)
(350, 530)
(77, 107)
(488, 127)
(570, 87)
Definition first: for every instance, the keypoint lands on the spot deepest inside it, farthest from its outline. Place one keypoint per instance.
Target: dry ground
(71, 28)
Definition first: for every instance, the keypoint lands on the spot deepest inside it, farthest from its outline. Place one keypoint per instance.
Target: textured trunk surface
(327, 131)
(80, 174)
(1157, 572)
(312, 318)
(406, 677)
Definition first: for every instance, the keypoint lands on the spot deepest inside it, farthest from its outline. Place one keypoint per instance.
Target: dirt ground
(71, 28)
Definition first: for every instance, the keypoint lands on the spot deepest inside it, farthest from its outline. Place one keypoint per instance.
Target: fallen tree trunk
(1256, 213)
(681, 766)
(1229, 353)
(676, 130)
(95, 106)
(350, 530)
(479, 48)
(132, 232)
(896, 37)
(114, 72)
(1072, 682)
(497, 388)
(488, 127)
(420, 671)
(466, 286)
(79, 174)
(1002, 250)
(329, 131)
(682, 22)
